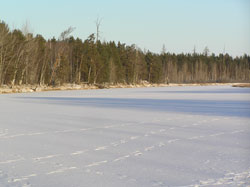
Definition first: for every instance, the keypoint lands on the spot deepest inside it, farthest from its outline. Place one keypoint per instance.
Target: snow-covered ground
(169, 136)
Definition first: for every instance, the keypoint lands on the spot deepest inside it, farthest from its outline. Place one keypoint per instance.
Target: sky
(149, 24)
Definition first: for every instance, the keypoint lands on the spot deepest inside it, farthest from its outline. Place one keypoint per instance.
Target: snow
(168, 136)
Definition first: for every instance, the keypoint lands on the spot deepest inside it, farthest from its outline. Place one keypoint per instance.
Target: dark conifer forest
(28, 59)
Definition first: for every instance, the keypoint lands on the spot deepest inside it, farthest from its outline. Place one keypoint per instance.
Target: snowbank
(5, 89)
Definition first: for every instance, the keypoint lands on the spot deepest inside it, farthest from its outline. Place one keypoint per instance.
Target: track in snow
(172, 136)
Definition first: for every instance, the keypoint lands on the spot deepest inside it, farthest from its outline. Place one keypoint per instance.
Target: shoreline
(5, 89)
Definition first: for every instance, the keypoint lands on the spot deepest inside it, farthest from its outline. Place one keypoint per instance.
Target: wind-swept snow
(169, 136)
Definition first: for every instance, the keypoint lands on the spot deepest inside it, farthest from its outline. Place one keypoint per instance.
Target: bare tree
(4, 48)
(98, 24)
(206, 51)
(60, 49)
(65, 34)
(163, 51)
(194, 51)
(26, 29)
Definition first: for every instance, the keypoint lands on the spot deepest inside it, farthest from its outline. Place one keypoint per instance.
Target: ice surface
(169, 136)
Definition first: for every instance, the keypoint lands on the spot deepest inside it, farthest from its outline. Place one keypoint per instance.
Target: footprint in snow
(149, 148)
(123, 176)
(45, 157)
(114, 144)
(162, 130)
(137, 153)
(134, 137)
(11, 161)
(79, 152)
(99, 173)
(121, 158)
(101, 148)
(96, 163)
(22, 178)
(173, 140)
(161, 144)
(158, 183)
(61, 170)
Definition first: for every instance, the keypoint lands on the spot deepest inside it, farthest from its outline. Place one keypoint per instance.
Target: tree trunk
(89, 74)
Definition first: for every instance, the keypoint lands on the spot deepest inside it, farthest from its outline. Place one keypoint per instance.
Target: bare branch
(65, 34)
(98, 24)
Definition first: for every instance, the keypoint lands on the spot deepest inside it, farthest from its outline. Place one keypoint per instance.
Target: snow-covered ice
(168, 136)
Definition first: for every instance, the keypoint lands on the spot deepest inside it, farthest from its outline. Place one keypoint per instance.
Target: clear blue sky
(179, 24)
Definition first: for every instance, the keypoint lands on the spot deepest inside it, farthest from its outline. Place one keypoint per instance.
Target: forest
(28, 59)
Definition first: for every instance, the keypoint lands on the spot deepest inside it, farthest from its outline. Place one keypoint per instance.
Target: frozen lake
(169, 136)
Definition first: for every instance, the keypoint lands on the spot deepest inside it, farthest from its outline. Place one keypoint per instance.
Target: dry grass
(242, 85)
(36, 88)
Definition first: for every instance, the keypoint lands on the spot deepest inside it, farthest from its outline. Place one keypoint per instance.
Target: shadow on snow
(201, 107)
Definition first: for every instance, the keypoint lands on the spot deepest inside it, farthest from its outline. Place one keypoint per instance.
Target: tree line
(28, 59)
